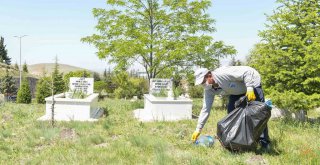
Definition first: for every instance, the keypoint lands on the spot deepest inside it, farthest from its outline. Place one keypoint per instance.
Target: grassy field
(118, 138)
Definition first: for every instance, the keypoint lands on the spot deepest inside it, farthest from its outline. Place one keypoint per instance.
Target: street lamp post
(20, 68)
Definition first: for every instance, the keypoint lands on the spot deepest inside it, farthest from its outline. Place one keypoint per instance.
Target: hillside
(11, 69)
(38, 69)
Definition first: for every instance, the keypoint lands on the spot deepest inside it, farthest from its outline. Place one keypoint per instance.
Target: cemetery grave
(158, 107)
(78, 104)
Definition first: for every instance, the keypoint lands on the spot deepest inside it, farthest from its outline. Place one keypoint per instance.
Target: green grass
(118, 138)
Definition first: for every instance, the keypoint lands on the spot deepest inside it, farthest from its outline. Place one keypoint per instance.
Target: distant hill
(38, 69)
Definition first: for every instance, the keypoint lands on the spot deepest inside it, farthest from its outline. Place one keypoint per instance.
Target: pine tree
(105, 74)
(58, 83)
(25, 67)
(24, 93)
(3, 53)
(43, 89)
(7, 86)
(16, 66)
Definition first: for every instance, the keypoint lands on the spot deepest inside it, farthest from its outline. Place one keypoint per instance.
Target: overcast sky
(55, 27)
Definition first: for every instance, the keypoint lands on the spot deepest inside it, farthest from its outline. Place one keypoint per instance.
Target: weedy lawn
(118, 138)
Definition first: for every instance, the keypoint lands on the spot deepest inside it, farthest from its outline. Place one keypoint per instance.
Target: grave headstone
(81, 84)
(156, 85)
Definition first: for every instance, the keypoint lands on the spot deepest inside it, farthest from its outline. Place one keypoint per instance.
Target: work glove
(195, 136)
(250, 94)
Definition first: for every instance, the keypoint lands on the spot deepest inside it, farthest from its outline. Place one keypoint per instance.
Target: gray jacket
(232, 80)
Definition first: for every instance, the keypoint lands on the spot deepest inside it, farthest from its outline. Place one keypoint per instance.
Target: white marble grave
(163, 108)
(67, 109)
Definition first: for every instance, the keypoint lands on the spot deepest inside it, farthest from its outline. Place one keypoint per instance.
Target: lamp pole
(20, 68)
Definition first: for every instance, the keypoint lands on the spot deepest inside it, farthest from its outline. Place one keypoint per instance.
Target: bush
(293, 101)
(196, 91)
(99, 86)
(24, 93)
(123, 93)
(140, 86)
(43, 90)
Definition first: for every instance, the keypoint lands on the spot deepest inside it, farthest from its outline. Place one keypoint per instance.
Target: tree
(235, 62)
(96, 76)
(4, 53)
(58, 83)
(288, 55)
(24, 93)
(25, 67)
(7, 86)
(157, 35)
(43, 89)
(16, 66)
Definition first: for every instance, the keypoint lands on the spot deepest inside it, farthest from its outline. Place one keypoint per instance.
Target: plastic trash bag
(240, 130)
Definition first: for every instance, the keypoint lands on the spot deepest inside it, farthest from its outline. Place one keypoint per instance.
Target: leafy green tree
(58, 83)
(24, 93)
(288, 55)
(7, 86)
(43, 89)
(158, 35)
(4, 53)
(25, 67)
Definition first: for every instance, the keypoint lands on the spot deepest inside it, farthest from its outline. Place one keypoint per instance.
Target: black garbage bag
(240, 130)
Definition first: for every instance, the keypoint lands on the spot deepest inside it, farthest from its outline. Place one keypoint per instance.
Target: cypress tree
(58, 83)
(24, 93)
(43, 89)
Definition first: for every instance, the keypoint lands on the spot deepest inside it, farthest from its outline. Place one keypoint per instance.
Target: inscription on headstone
(81, 84)
(156, 85)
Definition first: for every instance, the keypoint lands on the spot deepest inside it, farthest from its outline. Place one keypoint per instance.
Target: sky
(55, 27)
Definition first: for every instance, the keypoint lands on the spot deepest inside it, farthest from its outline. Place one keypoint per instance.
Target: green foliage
(58, 83)
(288, 55)
(4, 53)
(158, 35)
(80, 73)
(24, 93)
(16, 66)
(177, 91)
(196, 91)
(140, 85)
(7, 85)
(162, 93)
(96, 76)
(78, 94)
(293, 101)
(99, 86)
(235, 62)
(25, 68)
(43, 89)
(127, 87)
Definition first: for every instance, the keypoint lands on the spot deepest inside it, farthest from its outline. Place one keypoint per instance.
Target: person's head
(202, 76)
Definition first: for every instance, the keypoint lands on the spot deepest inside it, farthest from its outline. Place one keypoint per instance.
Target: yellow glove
(195, 136)
(250, 94)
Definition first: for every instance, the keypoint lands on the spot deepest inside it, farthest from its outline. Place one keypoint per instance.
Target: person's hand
(250, 94)
(195, 136)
